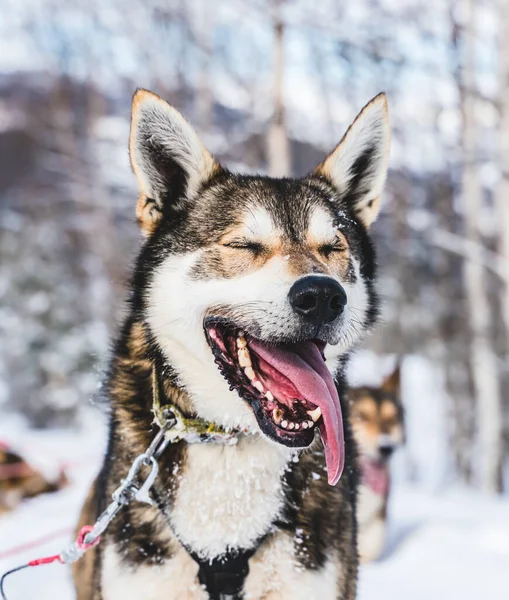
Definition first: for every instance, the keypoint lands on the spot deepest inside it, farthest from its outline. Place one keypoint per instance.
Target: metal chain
(131, 488)
(135, 487)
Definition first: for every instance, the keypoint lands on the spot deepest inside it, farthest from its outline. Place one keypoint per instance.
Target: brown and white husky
(377, 423)
(246, 295)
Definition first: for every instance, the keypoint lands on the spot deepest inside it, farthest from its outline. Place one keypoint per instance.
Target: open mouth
(288, 386)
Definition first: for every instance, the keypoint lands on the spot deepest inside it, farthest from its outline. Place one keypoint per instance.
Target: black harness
(224, 577)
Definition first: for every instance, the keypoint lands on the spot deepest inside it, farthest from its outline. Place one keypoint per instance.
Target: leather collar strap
(193, 430)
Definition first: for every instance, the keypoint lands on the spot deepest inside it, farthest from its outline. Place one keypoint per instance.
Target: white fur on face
(178, 303)
(259, 226)
(177, 306)
(321, 229)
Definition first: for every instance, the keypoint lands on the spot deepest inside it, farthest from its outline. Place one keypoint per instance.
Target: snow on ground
(446, 546)
(452, 546)
(51, 514)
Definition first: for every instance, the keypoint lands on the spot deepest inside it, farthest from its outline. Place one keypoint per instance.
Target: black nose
(386, 451)
(317, 298)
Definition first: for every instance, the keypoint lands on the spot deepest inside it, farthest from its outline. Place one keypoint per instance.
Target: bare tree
(502, 192)
(278, 146)
(201, 25)
(483, 361)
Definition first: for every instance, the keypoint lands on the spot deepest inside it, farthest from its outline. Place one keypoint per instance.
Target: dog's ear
(167, 157)
(357, 167)
(391, 384)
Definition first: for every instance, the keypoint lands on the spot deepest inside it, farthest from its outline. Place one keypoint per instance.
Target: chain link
(133, 487)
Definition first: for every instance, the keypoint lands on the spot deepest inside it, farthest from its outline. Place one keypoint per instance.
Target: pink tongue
(375, 476)
(303, 365)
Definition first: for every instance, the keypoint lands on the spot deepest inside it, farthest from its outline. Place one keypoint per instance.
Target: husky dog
(246, 297)
(376, 415)
(19, 480)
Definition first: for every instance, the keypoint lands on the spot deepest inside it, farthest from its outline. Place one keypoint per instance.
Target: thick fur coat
(216, 274)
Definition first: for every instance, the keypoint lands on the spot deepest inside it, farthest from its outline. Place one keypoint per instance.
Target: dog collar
(193, 430)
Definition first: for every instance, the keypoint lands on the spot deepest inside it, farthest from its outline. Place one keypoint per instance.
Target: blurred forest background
(270, 85)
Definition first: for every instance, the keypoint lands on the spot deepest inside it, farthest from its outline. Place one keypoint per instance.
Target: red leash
(80, 544)
(133, 487)
(38, 542)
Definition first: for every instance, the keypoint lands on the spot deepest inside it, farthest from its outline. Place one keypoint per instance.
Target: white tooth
(258, 385)
(310, 424)
(244, 362)
(305, 425)
(250, 374)
(291, 425)
(241, 342)
(297, 426)
(276, 415)
(244, 358)
(315, 414)
(284, 424)
(269, 396)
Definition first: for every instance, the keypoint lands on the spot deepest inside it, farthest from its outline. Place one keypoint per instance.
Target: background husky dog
(19, 480)
(244, 285)
(377, 423)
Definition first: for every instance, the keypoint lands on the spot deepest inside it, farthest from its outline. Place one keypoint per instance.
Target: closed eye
(328, 249)
(244, 244)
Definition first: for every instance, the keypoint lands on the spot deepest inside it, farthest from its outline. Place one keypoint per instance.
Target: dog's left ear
(167, 157)
(357, 167)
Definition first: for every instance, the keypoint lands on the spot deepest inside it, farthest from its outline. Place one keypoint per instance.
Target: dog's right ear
(392, 383)
(167, 157)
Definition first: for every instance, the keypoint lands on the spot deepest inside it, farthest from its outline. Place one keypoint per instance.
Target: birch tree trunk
(502, 192)
(483, 361)
(278, 146)
(202, 26)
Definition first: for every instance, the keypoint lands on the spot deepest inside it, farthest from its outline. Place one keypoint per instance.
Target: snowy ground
(449, 545)
(52, 514)
(452, 546)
